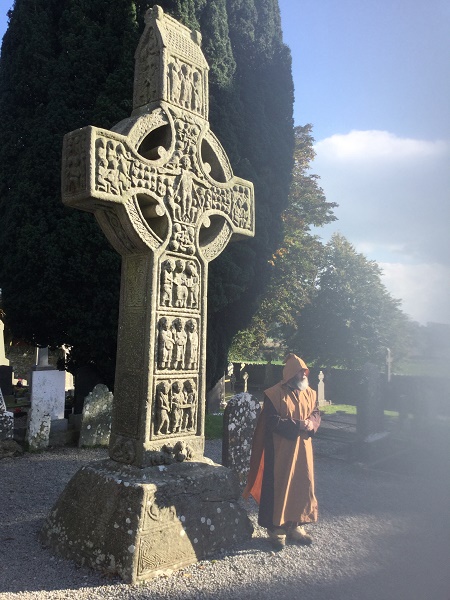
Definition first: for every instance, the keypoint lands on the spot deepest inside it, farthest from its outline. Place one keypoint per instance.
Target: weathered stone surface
(9, 448)
(6, 420)
(161, 188)
(239, 421)
(48, 392)
(38, 428)
(140, 523)
(96, 420)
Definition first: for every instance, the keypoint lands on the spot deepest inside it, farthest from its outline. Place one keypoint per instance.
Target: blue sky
(372, 76)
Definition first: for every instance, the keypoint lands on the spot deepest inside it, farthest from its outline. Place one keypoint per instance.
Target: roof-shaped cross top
(163, 191)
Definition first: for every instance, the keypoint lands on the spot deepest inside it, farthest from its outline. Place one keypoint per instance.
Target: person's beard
(304, 383)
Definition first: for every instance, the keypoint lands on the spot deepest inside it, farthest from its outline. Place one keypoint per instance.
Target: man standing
(281, 477)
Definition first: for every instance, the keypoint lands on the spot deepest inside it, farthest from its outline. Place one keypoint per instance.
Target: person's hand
(308, 425)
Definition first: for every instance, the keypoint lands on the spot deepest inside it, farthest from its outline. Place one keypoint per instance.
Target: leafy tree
(352, 318)
(69, 63)
(295, 264)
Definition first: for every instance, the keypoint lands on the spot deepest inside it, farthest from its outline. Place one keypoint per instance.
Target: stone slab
(141, 523)
(239, 422)
(6, 425)
(48, 392)
(97, 414)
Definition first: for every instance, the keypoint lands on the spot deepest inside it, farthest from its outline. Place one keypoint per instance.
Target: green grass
(332, 409)
(213, 427)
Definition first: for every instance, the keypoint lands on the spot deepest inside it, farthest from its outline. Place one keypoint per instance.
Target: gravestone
(6, 420)
(38, 428)
(321, 390)
(6, 371)
(239, 422)
(96, 420)
(161, 187)
(47, 397)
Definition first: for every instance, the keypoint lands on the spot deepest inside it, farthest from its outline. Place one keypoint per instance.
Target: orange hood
(293, 364)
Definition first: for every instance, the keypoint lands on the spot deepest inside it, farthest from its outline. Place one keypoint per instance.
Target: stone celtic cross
(161, 187)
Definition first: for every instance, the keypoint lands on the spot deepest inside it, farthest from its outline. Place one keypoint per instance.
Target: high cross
(162, 189)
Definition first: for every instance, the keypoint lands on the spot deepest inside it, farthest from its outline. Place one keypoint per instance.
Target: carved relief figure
(190, 402)
(167, 281)
(179, 344)
(165, 344)
(102, 167)
(177, 401)
(192, 284)
(163, 407)
(191, 345)
(181, 289)
(183, 239)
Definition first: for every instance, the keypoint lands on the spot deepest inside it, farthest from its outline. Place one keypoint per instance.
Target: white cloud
(394, 206)
(365, 146)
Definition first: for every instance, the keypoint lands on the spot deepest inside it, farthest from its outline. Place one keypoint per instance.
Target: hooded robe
(281, 476)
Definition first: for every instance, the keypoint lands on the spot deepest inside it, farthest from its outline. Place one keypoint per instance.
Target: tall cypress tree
(69, 63)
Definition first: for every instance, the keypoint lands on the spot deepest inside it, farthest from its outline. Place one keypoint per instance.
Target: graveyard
(130, 493)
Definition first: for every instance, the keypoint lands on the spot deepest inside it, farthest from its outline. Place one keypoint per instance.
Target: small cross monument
(161, 188)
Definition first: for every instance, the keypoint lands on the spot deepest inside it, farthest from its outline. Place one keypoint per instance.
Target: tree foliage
(295, 263)
(352, 318)
(69, 63)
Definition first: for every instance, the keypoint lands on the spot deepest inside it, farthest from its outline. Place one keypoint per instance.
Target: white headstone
(48, 392)
(3, 359)
(321, 390)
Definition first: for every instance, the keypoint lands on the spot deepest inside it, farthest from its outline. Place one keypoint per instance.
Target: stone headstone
(162, 190)
(239, 421)
(48, 392)
(38, 428)
(6, 371)
(6, 420)
(96, 420)
(215, 398)
(3, 360)
(321, 390)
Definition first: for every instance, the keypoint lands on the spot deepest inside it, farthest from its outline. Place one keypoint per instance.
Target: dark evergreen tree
(69, 63)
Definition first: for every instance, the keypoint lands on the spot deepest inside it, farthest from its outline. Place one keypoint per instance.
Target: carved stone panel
(175, 406)
(178, 343)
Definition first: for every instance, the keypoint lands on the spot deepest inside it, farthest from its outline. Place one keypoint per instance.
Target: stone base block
(141, 523)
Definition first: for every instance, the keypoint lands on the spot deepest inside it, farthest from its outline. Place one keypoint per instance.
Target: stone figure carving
(177, 402)
(163, 407)
(167, 280)
(179, 344)
(165, 344)
(191, 344)
(181, 289)
(192, 284)
(190, 406)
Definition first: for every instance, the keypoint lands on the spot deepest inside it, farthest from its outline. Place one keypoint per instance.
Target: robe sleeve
(287, 428)
(315, 419)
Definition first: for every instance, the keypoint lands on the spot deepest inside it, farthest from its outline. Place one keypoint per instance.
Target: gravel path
(381, 536)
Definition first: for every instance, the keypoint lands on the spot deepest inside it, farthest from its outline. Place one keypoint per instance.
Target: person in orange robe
(281, 476)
